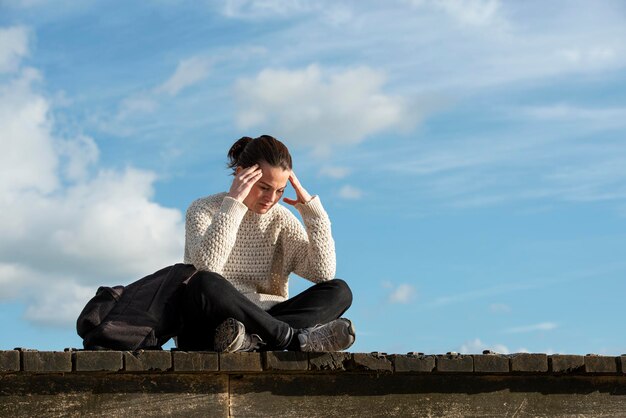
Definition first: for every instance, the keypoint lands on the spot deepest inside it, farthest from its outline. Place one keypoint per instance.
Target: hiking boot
(230, 336)
(336, 335)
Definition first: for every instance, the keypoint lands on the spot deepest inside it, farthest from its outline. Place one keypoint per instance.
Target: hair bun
(235, 151)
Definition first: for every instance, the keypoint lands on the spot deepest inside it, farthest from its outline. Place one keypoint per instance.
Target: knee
(343, 294)
(207, 282)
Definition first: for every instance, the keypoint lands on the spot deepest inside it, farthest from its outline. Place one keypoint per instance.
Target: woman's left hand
(301, 193)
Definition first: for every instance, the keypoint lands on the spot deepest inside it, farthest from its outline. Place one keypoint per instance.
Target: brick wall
(176, 383)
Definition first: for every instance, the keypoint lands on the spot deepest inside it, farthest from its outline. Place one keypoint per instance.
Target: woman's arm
(210, 234)
(310, 252)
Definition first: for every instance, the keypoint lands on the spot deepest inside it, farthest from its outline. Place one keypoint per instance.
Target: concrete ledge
(455, 363)
(413, 362)
(241, 362)
(529, 363)
(294, 384)
(24, 360)
(601, 364)
(285, 360)
(332, 362)
(141, 361)
(378, 362)
(491, 363)
(46, 361)
(195, 361)
(9, 361)
(95, 361)
(563, 363)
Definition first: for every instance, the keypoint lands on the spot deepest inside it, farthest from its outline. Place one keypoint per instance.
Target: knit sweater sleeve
(211, 231)
(310, 252)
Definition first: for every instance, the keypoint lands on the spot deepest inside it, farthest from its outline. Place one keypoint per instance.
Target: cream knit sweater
(256, 253)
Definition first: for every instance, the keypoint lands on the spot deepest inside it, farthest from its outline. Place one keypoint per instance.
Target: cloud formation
(402, 293)
(332, 12)
(471, 12)
(67, 223)
(477, 346)
(320, 108)
(13, 47)
(542, 326)
(350, 192)
(189, 72)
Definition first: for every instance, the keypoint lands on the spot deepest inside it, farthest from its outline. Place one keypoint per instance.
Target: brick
(9, 361)
(526, 362)
(147, 361)
(195, 361)
(372, 361)
(414, 363)
(47, 361)
(285, 360)
(566, 363)
(333, 361)
(456, 363)
(491, 363)
(622, 362)
(240, 362)
(95, 361)
(600, 364)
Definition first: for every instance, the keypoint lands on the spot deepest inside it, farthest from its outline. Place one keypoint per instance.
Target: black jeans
(209, 299)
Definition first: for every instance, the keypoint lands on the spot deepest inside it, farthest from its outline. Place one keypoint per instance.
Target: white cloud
(264, 8)
(189, 72)
(335, 172)
(59, 305)
(476, 346)
(350, 192)
(576, 157)
(28, 159)
(542, 326)
(500, 308)
(331, 12)
(321, 109)
(13, 47)
(142, 103)
(81, 153)
(602, 117)
(402, 293)
(590, 56)
(67, 224)
(472, 12)
(484, 292)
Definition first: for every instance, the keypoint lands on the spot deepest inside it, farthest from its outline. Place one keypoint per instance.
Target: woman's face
(268, 190)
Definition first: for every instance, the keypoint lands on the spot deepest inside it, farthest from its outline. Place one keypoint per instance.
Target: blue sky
(470, 153)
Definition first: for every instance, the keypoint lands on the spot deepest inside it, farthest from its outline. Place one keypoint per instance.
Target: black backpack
(142, 315)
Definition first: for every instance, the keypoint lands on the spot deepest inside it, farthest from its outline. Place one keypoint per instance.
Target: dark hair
(247, 152)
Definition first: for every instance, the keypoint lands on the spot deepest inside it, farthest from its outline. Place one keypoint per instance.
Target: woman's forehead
(274, 176)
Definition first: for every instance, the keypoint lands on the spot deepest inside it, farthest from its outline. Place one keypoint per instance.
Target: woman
(245, 245)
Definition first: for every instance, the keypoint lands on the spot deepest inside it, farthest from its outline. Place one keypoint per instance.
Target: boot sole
(229, 336)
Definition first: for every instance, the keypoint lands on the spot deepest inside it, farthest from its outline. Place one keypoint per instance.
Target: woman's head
(273, 159)
(247, 152)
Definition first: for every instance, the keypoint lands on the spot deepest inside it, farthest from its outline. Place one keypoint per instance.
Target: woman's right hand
(243, 182)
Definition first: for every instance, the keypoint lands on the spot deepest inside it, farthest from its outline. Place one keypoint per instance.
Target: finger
(253, 178)
(251, 175)
(294, 182)
(250, 169)
(290, 201)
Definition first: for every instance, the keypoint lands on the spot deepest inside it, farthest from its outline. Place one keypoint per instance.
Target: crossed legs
(209, 300)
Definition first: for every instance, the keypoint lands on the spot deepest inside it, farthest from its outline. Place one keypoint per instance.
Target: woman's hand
(243, 182)
(302, 195)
